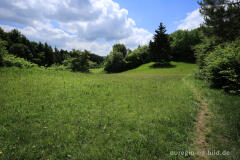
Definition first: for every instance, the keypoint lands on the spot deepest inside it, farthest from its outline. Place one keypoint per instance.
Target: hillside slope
(175, 68)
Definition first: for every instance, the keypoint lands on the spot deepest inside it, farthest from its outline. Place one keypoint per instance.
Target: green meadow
(143, 113)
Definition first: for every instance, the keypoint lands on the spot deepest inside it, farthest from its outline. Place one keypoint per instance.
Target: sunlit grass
(48, 114)
(176, 68)
(224, 124)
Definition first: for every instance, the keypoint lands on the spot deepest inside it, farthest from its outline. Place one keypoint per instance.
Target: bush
(80, 61)
(222, 67)
(138, 57)
(3, 50)
(11, 60)
(203, 49)
(115, 62)
(80, 64)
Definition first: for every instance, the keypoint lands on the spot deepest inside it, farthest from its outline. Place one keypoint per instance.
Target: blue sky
(96, 25)
(148, 13)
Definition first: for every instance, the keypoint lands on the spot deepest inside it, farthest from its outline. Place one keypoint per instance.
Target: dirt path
(200, 144)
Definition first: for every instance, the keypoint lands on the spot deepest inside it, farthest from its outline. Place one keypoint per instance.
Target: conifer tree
(222, 17)
(160, 47)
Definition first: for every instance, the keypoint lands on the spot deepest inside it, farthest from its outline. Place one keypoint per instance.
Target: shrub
(115, 62)
(11, 60)
(3, 50)
(80, 62)
(203, 49)
(138, 57)
(222, 67)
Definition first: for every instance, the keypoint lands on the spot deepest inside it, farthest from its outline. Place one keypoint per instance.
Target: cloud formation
(192, 21)
(80, 24)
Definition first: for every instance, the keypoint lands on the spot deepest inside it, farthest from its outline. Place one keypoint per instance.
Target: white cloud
(79, 24)
(92, 46)
(139, 36)
(6, 28)
(193, 20)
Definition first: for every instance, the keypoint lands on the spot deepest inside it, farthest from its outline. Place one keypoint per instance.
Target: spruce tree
(222, 17)
(160, 46)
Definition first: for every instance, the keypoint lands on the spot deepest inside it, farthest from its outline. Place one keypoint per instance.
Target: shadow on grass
(162, 65)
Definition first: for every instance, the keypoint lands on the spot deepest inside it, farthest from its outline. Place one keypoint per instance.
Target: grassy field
(144, 113)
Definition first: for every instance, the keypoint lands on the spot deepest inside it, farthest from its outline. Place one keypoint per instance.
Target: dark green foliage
(40, 59)
(3, 50)
(20, 50)
(182, 43)
(14, 37)
(133, 60)
(3, 35)
(219, 62)
(203, 49)
(115, 62)
(49, 56)
(63, 55)
(223, 17)
(80, 61)
(160, 47)
(222, 67)
(120, 48)
(138, 57)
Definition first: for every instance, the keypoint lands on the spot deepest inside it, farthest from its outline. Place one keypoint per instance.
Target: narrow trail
(200, 144)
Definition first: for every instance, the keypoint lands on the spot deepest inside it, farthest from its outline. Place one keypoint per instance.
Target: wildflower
(1, 152)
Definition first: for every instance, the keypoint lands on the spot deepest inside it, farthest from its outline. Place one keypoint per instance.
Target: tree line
(17, 44)
(176, 46)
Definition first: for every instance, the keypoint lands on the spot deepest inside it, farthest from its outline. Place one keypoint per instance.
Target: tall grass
(224, 124)
(47, 114)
